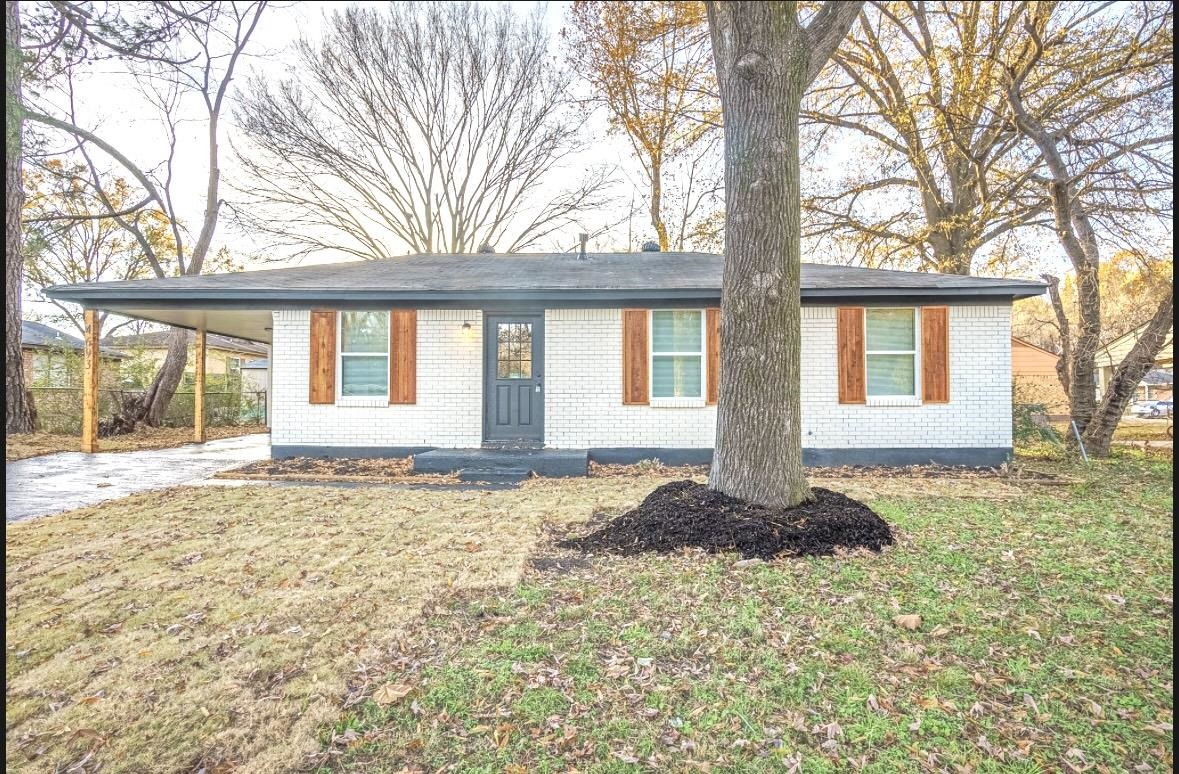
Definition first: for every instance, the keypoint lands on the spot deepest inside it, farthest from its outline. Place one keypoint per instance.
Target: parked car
(1152, 409)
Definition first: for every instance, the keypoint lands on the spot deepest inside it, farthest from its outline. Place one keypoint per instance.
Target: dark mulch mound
(685, 514)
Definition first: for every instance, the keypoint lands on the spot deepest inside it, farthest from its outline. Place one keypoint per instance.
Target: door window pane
(513, 350)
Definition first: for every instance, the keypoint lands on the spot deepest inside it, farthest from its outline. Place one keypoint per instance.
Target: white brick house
(611, 354)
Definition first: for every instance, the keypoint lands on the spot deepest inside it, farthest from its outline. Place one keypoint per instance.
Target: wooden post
(90, 383)
(198, 396)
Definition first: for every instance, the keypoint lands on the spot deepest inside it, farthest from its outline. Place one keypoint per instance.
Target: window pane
(891, 375)
(677, 331)
(890, 329)
(514, 351)
(364, 332)
(675, 377)
(364, 375)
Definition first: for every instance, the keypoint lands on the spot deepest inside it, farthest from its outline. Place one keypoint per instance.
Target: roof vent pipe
(584, 240)
(651, 246)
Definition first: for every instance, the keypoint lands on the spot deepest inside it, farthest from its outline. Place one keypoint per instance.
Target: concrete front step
(543, 462)
(494, 475)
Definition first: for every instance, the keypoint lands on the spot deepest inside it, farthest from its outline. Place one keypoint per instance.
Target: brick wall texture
(583, 390)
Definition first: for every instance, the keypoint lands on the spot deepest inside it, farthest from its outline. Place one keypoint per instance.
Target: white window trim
(370, 401)
(687, 401)
(903, 399)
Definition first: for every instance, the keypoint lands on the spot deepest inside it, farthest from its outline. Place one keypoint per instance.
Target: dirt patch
(687, 514)
(349, 469)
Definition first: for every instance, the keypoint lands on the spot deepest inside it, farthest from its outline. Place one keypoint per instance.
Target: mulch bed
(686, 514)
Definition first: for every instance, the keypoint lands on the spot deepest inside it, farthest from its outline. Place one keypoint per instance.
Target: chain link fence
(59, 409)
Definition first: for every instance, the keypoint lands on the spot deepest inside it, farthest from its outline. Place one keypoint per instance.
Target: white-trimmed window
(890, 338)
(364, 354)
(677, 354)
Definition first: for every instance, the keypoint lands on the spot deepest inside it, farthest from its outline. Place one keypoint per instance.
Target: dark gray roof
(35, 335)
(520, 277)
(157, 339)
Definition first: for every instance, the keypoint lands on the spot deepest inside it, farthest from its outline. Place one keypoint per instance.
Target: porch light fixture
(466, 326)
(467, 332)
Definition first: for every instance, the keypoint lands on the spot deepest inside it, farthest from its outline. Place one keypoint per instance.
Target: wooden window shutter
(849, 336)
(712, 327)
(323, 356)
(635, 390)
(403, 356)
(935, 354)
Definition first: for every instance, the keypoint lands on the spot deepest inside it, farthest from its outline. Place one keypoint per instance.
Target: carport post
(90, 382)
(198, 395)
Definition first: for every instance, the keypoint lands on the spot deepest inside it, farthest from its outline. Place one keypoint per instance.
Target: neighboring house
(1033, 371)
(256, 385)
(256, 375)
(223, 363)
(612, 356)
(54, 359)
(1158, 384)
(1110, 357)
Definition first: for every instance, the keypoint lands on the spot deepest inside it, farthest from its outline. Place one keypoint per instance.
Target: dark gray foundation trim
(975, 457)
(280, 452)
(978, 457)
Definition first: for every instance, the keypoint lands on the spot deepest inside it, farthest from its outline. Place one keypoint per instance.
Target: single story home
(1033, 371)
(53, 358)
(605, 356)
(1111, 355)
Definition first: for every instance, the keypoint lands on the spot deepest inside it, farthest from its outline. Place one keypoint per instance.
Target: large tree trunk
(20, 416)
(761, 62)
(1098, 435)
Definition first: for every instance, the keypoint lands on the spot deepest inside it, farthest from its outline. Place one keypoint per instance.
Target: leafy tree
(69, 240)
(650, 64)
(1092, 92)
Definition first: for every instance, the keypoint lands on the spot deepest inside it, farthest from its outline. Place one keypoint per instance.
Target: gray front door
(513, 387)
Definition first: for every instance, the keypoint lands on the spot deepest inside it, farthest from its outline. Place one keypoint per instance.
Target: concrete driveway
(53, 483)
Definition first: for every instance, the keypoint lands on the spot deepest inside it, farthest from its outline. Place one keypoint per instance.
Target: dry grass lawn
(207, 626)
(23, 445)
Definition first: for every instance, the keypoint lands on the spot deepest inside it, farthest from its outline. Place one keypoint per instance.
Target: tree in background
(179, 53)
(1092, 91)
(433, 127)
(20, 415)
(1132, 287)
(765, 59)
(650, 64)
(939, 172)
(68, 240)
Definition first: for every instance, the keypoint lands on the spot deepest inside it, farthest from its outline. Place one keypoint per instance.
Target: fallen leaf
(390, 693)
(910, 621)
